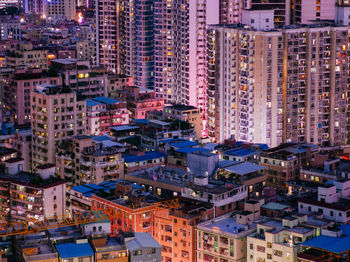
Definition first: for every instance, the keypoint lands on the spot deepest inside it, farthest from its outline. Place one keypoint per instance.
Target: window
(269, 256)
(269, 245)
(252, 21)
(331, 213)
(251, 246)
(278, 253)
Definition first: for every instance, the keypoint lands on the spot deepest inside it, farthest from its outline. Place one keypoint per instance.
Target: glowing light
(80, 17)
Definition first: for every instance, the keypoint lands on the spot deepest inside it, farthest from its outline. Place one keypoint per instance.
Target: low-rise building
(27, 196)
(224, 197)
(157, 131)
(186, 113)
(332, 202)
(143, 160)
(103, 113)
(247, 174)
(86, 160)
(75, 251)
(80, 76)
(223, 238)
(16, 91)
(140, 101)
(117, 84)
(27, 56)
(143, 247)
(175, 229)
(283, 163)
(279, 240)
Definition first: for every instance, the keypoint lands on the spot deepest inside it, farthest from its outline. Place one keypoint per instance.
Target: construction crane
(35, 226)
(332, 257)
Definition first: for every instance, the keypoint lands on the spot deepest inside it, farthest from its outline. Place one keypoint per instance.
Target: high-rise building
(16, 91)
(278, 86)
(108, 34)
(59, 9)
(180, 49)
(56, 114)
(310, 11)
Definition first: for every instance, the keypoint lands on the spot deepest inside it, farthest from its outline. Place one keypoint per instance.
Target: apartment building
(133, 210)
(235, 89)
(27, 56)
(332, 202)
(59, 9)
(189, 114)
(16, 91)
(283, 163)
(180, 57)
(9, 28)
(108, 35)
(175, 229)
(140, 101)
(276, 90)
(84, 160)
(27, 196)
(57, 114)
(223, 238)
(280, 240)
(22, 142)
(80, 76)
(118, 82)
(225, 198)
(103, 113)
(307, 12)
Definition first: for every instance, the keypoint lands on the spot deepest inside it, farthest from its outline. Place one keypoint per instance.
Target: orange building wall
(176, 235)
(125, 218)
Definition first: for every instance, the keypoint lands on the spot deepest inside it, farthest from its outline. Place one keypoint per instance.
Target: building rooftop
(146, 156)
(341, 205)
(179, 107)
(184, 144)
(31, 179)
(187, 150)
(124, 128)
(244, 168)
(90, 102)
(239, 152)
(333, 244)
(274, 206)
(141, 240)
(106, 100)
(73, 250)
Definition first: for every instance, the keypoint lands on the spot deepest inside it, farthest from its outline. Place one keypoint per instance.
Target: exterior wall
(134, 166)
(274, 114)
(54, 121)
(60, 9)
(27, 57)
(258, 19)
(147, 255)
(54, 201)
(17, 90)
(340, 216)
(176, 234)
(307, 11)
(125, 218)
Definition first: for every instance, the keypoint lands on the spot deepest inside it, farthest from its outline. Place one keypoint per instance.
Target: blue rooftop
(184, 144)
(100, 138)
(106, 100)
(239, 152)
(147, 156)
(141, 121)
(72, 250)
(333, 244)
(187, 150)
(90, 102)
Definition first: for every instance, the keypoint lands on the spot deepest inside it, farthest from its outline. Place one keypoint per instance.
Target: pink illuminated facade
(103, 113)
(17, 88)
(142, 100)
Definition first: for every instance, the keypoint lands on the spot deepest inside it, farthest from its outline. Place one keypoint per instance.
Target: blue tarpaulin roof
(145, 157)
(184, 144)
(106, 100)
(333, 244)
(239, 152)
(188, 150)
(72, 250)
